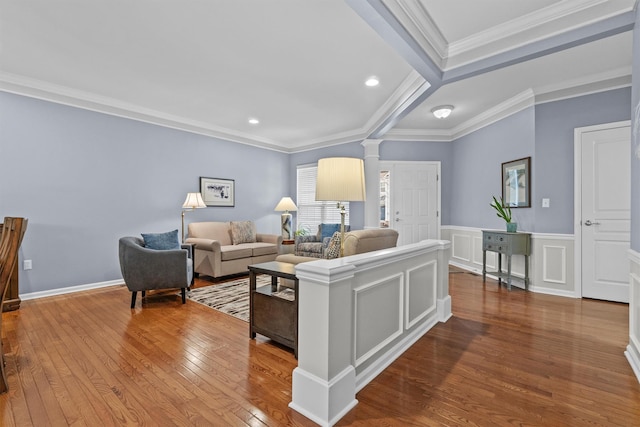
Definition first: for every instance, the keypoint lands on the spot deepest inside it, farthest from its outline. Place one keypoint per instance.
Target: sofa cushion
(243, 232)
(258, 248)
(212, 230)
(230, 252)
(161, 241)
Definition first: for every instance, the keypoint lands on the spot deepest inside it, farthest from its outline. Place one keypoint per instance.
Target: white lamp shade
(340, 179)
(285, 205)
(194, 201)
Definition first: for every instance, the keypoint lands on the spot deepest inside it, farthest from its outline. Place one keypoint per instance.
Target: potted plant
(504, 211)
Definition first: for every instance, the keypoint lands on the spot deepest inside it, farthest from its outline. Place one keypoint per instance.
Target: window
(312, 213)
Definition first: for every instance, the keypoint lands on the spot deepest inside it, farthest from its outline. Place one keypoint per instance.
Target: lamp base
(286, 226)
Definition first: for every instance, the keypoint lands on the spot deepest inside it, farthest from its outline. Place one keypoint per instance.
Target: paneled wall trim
(551, 269)
(633, 349)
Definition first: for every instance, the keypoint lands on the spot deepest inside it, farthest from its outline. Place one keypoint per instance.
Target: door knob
(397, 219)
(589, 223)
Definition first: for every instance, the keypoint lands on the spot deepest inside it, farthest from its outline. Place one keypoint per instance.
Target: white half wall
(633, 349)
(358, 314)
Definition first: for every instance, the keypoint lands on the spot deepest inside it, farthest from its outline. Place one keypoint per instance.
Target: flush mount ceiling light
(254, 121)
(372, 81)
(442, 111)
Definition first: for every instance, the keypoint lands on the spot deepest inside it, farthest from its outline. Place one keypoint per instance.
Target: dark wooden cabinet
(269, 314)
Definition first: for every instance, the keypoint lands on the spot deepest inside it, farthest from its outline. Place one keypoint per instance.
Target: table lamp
(193, 201)
(340, 179)
(285, 205)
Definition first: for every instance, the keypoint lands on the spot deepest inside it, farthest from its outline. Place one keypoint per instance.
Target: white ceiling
(207, 66)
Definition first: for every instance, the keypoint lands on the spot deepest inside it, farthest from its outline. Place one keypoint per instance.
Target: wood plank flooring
(504, 358)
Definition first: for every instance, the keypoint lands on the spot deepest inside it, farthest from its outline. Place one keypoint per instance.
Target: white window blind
(312, 213)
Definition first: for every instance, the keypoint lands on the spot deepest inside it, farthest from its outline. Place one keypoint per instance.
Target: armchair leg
(183, 291)
(133, 299)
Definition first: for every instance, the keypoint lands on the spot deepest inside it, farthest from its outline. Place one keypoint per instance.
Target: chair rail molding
(551, 268)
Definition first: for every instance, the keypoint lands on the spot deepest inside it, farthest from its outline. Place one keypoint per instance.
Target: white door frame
(577, 196)
(388, 165)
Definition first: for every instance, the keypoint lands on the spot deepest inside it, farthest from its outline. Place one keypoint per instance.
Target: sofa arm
(204, 244)
(276, 239)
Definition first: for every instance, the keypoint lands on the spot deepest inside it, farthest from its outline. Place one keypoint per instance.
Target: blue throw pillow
(161, 241)
(327, 230)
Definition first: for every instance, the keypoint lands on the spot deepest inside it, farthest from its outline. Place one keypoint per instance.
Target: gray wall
(477, 165)
(553, 175)
(85, 179)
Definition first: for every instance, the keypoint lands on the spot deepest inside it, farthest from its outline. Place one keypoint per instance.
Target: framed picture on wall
(217, 191)
(516, 183)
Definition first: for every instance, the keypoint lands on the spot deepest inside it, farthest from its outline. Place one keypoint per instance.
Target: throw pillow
(243, 232)
(327, 230)
(161, 241)
(333, 250)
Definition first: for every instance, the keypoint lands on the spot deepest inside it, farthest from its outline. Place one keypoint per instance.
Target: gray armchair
(315, 245)
(146, 269)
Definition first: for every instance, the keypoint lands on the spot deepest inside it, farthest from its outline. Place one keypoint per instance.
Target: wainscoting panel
(554, 264)
(379, 305)
(460, 247)
(551, 264)
(633, 349)
(420, 300)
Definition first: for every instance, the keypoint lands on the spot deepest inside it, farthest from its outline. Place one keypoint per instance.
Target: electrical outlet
(545, 203)
(27, 265)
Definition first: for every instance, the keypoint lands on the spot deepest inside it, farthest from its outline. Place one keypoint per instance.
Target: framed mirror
(516, 183)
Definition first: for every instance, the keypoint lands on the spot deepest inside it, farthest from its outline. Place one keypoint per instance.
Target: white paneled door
(414, 201)
(605, 212)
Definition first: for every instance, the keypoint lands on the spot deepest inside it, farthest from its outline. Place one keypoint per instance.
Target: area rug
(232, 297)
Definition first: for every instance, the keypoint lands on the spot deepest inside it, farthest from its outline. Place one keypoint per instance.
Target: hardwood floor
(504, 358)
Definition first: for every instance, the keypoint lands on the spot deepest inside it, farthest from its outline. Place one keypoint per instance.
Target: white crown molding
(504, 109)
(521, 101)
(614, 79)
(71, 97)
(596, 83)
(417, 21)
(510, 29)
(410, 85)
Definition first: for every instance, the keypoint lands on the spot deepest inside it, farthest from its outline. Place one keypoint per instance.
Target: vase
(512, 227)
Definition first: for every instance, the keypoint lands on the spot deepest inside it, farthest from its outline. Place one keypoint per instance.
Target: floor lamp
(193, 201)
(285, 205)
(340, 179)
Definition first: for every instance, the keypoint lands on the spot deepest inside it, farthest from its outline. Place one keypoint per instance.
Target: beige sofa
(220, 249)
(355, 242)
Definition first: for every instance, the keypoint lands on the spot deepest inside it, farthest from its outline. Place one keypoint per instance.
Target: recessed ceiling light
(254, 121)
(442, 111)
(372, 81)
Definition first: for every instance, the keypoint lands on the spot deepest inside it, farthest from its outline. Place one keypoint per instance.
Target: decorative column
(372, 179)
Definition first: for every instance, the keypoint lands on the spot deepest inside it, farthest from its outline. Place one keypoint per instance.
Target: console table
(505, 243)
(269, 314)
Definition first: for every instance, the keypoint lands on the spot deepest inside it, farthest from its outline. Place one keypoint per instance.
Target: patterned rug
(232, 297)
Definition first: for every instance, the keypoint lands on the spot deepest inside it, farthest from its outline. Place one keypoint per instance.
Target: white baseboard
(70, 289)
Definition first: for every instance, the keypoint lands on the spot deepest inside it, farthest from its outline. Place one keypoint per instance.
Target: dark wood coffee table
(270, 315)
